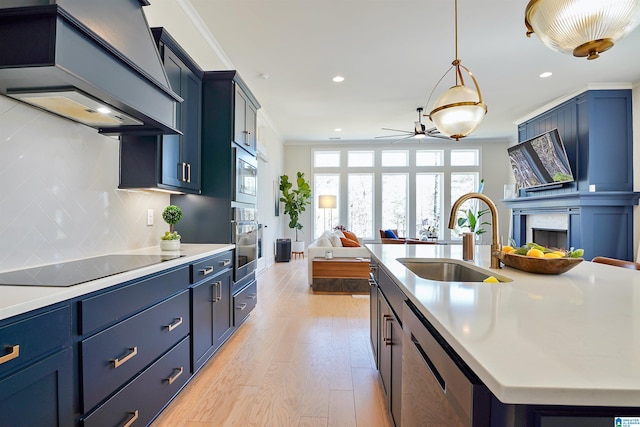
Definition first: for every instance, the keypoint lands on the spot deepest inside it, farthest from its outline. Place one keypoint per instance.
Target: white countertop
(569, 339)
(16, 300)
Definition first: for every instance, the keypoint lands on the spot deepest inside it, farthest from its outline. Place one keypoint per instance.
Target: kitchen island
(571, 339)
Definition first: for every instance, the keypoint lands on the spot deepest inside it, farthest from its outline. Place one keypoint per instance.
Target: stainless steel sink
(448, 270)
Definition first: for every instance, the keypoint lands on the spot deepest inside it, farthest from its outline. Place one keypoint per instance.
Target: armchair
(402, 240)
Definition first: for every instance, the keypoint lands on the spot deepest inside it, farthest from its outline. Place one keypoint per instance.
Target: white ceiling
(391, 53)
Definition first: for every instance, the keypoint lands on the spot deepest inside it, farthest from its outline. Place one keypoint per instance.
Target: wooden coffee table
(340, 275)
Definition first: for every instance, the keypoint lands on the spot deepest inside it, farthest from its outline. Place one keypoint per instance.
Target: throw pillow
(390, 234)
(350, 235)
(348, 243)
(335, 240)
(339, 233)
(324, 242)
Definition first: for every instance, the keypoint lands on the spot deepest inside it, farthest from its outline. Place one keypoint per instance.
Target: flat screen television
(540, 161)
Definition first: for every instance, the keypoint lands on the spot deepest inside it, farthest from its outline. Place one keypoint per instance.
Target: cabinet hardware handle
(373, 267)
(188, 172)
(218, 290)
(132, 352)
(246, 132)
(175, 377)
(183, 167)
(253, 296)
(226, 262)
(206, 271)
(176, 322)
(242, 306)
(13, 351)
(134, 417)
(386, 337)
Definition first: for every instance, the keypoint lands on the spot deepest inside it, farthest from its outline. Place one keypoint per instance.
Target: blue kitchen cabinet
(170, 162)
(211, 308)
(36, 369)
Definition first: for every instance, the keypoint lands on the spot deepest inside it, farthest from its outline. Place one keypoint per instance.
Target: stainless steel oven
(245, 237)
(245, 177)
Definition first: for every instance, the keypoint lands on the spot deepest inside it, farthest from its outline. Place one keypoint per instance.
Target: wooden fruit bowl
(539, 265)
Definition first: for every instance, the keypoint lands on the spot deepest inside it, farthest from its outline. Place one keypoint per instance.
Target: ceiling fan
(419, 132)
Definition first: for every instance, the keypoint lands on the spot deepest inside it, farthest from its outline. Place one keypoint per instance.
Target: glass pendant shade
(458, 112)
(581, 27)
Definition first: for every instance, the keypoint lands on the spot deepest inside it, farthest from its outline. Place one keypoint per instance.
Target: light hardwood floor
(299, 360)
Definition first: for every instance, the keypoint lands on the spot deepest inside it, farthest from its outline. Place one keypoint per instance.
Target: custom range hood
(92, 61)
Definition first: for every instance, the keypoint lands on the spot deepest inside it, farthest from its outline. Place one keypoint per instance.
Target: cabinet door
(39, 395)
(390, 357)
(250, 126)
(211, 317)
(373, 319)
(190, 147)
(239, 116)
(171, 144)
(385, 317)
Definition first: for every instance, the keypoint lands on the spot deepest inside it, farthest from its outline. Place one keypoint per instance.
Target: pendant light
(459, 110)
(584, 28)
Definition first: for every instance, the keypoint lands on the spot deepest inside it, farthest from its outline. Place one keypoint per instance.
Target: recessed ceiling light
(103, 110)
(338, 129)
(546, 74)
(338, 79)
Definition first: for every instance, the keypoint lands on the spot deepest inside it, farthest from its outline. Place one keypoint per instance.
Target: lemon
(512, 251)
(507, 249)
(491, 279)
(535, 253)
(552, 255)
(559, 253)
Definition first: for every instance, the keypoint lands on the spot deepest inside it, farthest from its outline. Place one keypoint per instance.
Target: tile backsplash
(59, 198)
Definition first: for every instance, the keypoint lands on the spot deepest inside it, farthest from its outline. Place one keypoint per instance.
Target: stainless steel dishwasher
(438, 389)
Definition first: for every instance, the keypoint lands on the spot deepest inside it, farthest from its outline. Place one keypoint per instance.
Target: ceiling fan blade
(398, 130)
(435, 133)
(393, 136)
(401, 139)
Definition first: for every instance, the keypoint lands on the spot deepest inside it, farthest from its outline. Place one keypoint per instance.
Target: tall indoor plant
(295, 199)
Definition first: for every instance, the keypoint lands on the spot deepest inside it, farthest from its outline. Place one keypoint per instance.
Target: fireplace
(550, 238)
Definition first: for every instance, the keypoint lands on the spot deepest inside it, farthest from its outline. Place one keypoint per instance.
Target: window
(409, 189)
(429, 158)
(395, 158)
(325, 219)
(357, 159)
(360, 187)
(326, 159)
(465, 157)
(428, 204)
(394, 202)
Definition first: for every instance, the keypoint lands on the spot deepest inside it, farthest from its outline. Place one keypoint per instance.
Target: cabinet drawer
(148, 393)
(111, 357)
(391, 292)
(108, 307)
(243, 302)
(25, 340)
(206, 268)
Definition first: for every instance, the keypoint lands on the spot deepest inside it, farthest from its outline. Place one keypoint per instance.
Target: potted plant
(295, 201)
(170, 241)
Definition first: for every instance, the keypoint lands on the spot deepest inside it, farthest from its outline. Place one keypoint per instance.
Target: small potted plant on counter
(170, 241)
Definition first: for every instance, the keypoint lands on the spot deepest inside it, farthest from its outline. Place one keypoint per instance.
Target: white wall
(59, 199)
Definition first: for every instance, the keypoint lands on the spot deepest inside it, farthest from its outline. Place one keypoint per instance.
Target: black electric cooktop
(72, 273)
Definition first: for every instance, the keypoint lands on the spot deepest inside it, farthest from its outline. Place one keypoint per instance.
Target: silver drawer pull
(117, 362)
(253, 296)
(134, 417)
(176, 322)
(206, 270)
(242, 306)
(176, 375)
(13, 352)
(226, 262)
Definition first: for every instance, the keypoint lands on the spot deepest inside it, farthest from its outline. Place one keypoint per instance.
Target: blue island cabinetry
(596, 129)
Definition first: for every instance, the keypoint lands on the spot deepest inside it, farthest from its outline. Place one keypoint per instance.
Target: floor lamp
(327, 202)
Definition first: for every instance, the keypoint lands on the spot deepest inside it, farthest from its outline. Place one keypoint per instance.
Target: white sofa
(319, 247)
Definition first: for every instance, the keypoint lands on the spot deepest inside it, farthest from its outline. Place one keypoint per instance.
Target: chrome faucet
(495, 247)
